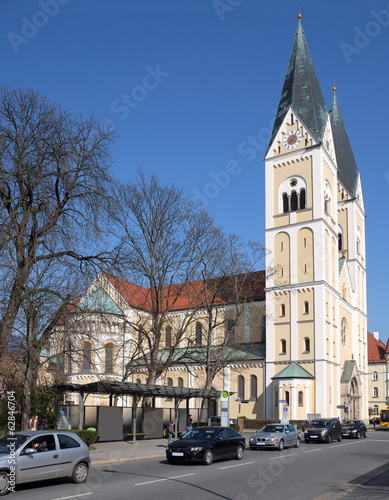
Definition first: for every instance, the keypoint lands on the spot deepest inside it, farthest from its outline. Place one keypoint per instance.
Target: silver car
(275, 436)
(34, 456)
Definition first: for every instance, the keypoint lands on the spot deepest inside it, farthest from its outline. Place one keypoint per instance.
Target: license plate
(313, 437)
(177, 454)
(261, 444)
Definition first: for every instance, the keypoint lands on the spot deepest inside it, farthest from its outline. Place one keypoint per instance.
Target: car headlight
(354, 430)
(252, 439)
(196, 448)
(324, 432)
(274, 439)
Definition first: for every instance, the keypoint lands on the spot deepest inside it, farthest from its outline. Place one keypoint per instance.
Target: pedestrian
(303, 424)
(189, 423)
(170, 431)
(41, 424)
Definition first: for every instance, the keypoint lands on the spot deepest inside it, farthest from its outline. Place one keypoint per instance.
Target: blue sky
(190, 83)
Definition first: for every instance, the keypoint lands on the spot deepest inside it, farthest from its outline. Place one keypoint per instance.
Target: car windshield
(350, 423)
(319, 423)
(199, 434)
(7, 440)
(273, 428)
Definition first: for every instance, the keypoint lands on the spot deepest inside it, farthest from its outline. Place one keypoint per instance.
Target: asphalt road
(315, 470)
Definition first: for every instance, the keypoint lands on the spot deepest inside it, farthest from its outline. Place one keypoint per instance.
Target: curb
(95, 463)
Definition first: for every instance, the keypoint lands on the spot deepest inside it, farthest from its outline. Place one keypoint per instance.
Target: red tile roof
(375, 349)
(186, 295)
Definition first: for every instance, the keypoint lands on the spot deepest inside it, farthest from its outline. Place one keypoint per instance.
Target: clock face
(292, 139)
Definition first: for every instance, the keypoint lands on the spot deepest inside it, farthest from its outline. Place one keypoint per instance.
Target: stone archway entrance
(354, 400)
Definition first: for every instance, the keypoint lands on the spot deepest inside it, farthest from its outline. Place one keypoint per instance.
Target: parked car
(275, 436)
(323, 429)
(354, 429)
(206, 444)
(32, 456)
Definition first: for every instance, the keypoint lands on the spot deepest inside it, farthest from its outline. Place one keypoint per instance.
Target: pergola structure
(137, 391)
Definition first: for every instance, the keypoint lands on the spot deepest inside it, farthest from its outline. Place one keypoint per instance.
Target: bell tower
(309, 167)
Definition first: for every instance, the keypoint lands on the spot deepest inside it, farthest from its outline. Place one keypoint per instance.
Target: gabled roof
(184, 296)
(375, 349)
(101, 301)
(293, 370)
(348, 369)
(347, 168)
(302, 91)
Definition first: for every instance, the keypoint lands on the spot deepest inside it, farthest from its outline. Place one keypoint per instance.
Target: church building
(300, 347)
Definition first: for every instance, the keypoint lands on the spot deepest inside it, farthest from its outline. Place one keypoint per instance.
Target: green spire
(301, 90)
(347, 167)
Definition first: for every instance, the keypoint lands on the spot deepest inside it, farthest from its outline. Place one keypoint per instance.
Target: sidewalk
(125, 451)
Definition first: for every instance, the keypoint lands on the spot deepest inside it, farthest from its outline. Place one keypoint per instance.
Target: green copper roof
(347, 167)
(348, 369)
(294, 370)
(302, 91)
(99, 301)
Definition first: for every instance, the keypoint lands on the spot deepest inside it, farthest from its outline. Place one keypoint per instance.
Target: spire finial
(333, 86)
(299, 15)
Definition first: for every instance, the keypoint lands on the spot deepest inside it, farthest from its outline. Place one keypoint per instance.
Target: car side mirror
(29, 451)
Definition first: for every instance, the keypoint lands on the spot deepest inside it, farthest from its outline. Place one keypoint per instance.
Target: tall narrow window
(375, 376)
(307, 345)
(276, 398)
(231, 331)
(241, 387)
(375, 409)
(108, 352)
(283, 346)
(69, 355)
(285, 203)
(301, 398)
(287, 399)
(86, 357)
(253, 387)
(293, 202)
(306, 307)
(168, 338)
(169, 384)
(199, 334)
(282, 311)
(375, 392)
(302, 199)
(180, 382)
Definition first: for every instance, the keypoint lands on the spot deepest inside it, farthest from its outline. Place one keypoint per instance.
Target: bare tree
(160, 231)
(54, 175)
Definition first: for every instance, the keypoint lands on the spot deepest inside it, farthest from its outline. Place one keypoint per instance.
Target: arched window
(86, 357)
(307, 345)
(340, 238)
(343, 332)
(108, 358)
(283, 346)
(375, 392)
(241, 387)
(293, 195)
(180, 382)
(375, 375)
(168, 337)
(138, 381)
(169, 384)
(287, 397)
(301, 398)
(327, 198)
(231, 331)
(199, 334)
(253, 387)
(375, 409)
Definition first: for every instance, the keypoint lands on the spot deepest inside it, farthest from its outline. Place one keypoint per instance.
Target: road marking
(237, 465)
(344, 444)
(310, 451)
(74, 496)
(281, 457)
(164, 479)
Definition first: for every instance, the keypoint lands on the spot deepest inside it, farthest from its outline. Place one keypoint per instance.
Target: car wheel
(340, 438)
(365, 434)
(208, 457)
(281, 445)
(239, 452)
(80, 473)
(329, 438)
(358, 435)
(4, 483)
(297, 445)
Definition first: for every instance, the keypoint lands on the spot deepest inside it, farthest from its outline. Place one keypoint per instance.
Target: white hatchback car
(33, 456)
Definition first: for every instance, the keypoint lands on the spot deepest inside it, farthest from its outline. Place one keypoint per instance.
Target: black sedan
(206, 444)
(354, 429)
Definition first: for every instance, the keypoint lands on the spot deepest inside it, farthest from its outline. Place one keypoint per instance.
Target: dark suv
(323, 429)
